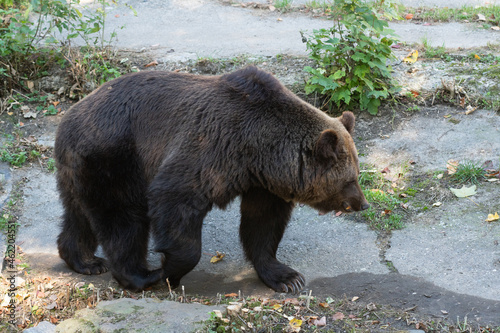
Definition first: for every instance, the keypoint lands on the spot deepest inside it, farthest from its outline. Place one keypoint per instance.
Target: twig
(473, 201)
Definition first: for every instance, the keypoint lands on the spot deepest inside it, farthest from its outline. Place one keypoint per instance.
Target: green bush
(34, 35)
(351, 57)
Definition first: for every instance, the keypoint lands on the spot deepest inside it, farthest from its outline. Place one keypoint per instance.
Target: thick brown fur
(154, 151)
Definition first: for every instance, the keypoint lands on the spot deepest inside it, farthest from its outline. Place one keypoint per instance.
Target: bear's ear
(348, 120)
(326, 148)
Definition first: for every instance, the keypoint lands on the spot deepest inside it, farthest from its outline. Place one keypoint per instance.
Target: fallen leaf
(462, 102)
(470, 109)
(278, 307)
(409, 16)
(295, 324)
(338, 316)
(377, 190)
(231, 295)
(371, 307)
(496, 28)
(354, 299)
(384, 213)
(218, 257)
(436, 204)
(279, 19)
(386, 170)
(464, 191)
(56, 103)
(477, 57)
(321, 322)
(324, 305)
(338, 213)
(152, 63)
(415, 93)
(451, 165)
(492, 217)
(117, 15)
(411, 57)
(481, 17)
(54, 320)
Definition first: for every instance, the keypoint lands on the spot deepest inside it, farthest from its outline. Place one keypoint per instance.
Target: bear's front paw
(282, 278)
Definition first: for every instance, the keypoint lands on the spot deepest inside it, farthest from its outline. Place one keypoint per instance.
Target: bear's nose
(365, 205)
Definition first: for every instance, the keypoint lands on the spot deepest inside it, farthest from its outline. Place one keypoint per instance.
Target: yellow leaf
(477, 57)
(412, 57)
(492, 217)
(218, 257)
(278, 307)
(295, 324)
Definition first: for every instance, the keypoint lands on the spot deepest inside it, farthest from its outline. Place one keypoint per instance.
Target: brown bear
(156, 150)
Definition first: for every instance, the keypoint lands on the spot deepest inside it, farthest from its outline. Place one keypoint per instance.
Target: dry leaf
(294, 325)
(338, 316)
(152, 63)
(231, 295)
(496, 28)
(411, 57)
(462, 102)
(272, 8)
(409, 16)
(452, 165)
(321, 322)
(218, 257)
(324, 305)
(384, 213)
(492, 217)
(53, 320)
(354, 299)
(481, 17)
(436, 204)
(470, 109)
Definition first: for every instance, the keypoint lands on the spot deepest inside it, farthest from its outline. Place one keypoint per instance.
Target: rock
(42, 327)
(144, 315)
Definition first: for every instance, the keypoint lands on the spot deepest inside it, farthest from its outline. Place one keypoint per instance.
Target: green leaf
(339, 74)
(464, 191)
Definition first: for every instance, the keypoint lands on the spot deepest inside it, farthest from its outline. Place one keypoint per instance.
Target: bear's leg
(123, 235)
(264, 218)
(77, 243)
(177, 219)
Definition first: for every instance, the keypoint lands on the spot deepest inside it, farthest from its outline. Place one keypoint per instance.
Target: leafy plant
(351, 57)
(34, 36)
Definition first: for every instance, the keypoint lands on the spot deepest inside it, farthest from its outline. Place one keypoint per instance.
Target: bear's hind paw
(94, 266)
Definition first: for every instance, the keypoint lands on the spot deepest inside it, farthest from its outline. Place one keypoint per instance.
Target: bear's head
(335, 178)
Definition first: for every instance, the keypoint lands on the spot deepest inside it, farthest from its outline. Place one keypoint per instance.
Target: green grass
(384, 212)
(283, 4)
(444, 14)
(469, 171)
